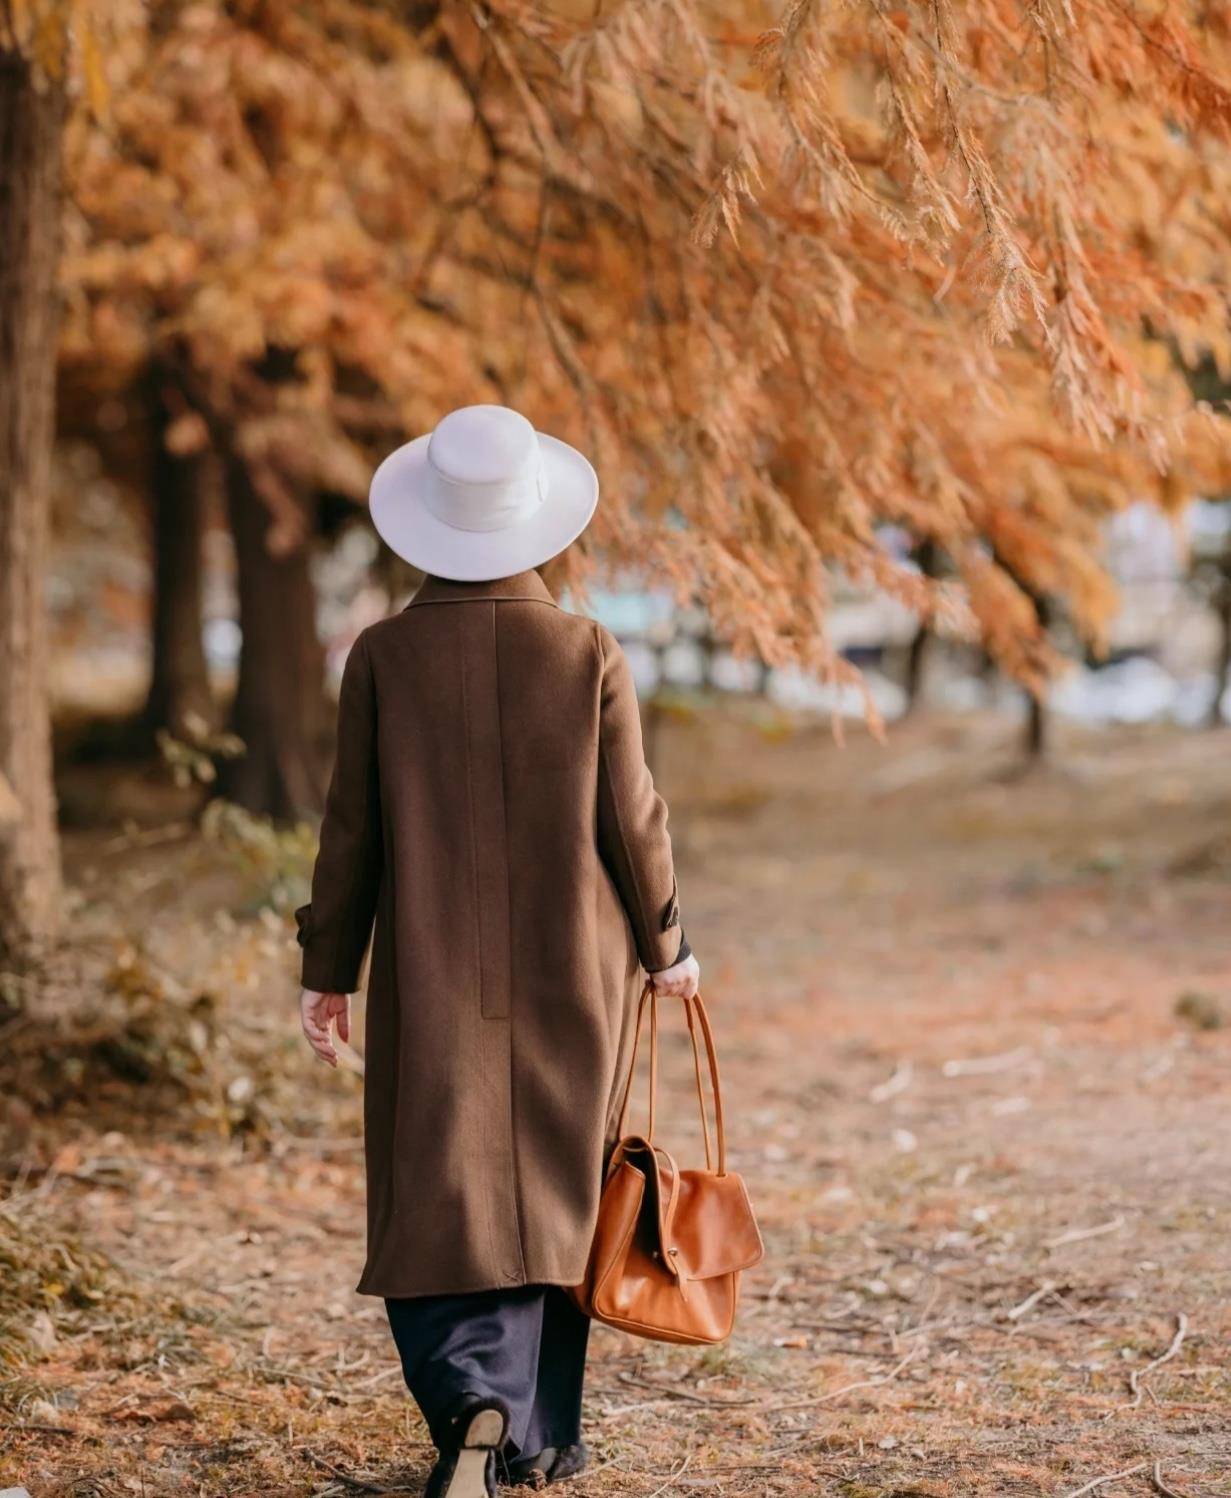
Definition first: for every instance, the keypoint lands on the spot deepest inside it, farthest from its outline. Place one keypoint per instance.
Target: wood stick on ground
(1030, 1301)
(1078, 1235)
(863, 1383)
(685, 1394)
(1100, 1482)
(1135, 1386)
(984, 1066)
(675, 1477)
(900, 1080)
(360, 1484)
(1159, 1486)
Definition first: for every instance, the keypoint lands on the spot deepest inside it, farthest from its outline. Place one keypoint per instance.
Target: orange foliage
(788, 274)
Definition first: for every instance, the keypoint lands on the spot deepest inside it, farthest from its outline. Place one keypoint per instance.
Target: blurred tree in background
(787, 273)
(33, 105)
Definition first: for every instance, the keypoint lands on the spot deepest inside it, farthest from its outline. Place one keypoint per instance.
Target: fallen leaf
(152, 1412)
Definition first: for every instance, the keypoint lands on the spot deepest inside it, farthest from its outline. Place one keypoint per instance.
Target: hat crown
(483, 495)
(481, 445)
(486, 469)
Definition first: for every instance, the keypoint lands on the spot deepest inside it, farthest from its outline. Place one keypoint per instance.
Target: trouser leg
(555, 1413)
(485, 1343)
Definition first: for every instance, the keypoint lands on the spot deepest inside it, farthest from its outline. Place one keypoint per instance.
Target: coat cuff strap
(684, 951)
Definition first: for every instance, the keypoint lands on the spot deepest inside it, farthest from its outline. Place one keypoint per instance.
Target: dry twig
(898, 1082)
(1079, 1235)
(685, 1394)
(863, 1383)
(1159, 1486)
(1101, 1482)
(1030, 1301)
(1135, 1386)
(986, 1066)
(360, 1484)
(675, 1476)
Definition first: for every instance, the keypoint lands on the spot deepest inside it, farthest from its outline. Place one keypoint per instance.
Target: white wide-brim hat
(483, 496)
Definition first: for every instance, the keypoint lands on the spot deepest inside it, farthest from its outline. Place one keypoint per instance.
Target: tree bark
(1222, 668)
(916, 650)
(31, 129)
(279, 710)
(1036, 727)
(928, 557)
(179, 678)
(1037, 719)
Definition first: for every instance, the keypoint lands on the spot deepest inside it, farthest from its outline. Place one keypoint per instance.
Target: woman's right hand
(681, 981)
(317, 1014)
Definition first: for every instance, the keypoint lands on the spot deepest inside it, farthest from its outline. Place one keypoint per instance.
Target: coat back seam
(504, 811)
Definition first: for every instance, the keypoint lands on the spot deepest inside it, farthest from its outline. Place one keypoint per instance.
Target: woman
(491, 809)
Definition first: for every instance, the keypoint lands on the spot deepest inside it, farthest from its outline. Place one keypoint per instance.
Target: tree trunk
(1037, 722)
(1222, 668)
(279, 711)
(31, 127)
(179, 680)
(1036, 727)
(913, 676)
(928, 558)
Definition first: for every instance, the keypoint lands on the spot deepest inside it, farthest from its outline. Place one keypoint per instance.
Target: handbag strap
(695, 1013)
(696, 1007)
(648, 996)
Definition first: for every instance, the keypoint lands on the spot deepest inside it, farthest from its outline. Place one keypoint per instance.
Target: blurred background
(899, 339)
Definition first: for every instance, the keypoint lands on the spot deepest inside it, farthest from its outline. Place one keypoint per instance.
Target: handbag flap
(713, 1229)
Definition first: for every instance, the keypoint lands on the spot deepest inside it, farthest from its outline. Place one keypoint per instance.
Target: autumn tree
(929, 265)
(177, 480)
(149, 443)
(32, 113)
(214, 255)
(787, 272)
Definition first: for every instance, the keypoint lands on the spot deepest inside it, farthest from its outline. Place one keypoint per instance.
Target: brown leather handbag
(670, 1244)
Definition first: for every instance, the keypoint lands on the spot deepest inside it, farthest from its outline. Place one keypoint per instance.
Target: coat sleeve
(334, 929)
(632, 819)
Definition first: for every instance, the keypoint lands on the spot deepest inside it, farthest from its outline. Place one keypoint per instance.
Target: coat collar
(523, 585)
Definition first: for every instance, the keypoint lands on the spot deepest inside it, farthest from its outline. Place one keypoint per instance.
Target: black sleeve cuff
(685, 951)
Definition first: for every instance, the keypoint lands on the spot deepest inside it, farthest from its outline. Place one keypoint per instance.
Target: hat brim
(400, 514)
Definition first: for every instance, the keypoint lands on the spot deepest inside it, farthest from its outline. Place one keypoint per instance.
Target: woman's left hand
(681, 981)
(317, 1011)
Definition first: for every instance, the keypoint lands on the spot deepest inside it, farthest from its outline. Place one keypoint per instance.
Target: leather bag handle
(696, 1007)
(698, 1018)
(696, 1066)
(647, 996)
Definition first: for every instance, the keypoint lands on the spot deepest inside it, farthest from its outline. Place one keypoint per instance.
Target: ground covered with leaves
(976, 1031)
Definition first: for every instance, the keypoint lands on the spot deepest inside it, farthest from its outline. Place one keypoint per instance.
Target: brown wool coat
(491, 808)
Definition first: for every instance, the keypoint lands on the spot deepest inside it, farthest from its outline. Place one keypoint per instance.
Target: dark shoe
(548, 1465)
(529, 1471)
(466, 1467)
(570, 1461)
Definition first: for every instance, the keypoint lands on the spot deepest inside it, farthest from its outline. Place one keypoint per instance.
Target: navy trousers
(527, 1346)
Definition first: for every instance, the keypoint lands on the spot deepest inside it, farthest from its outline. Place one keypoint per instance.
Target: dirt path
(990, 1156)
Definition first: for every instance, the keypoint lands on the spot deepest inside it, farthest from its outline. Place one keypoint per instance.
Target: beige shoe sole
(469, 1478)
